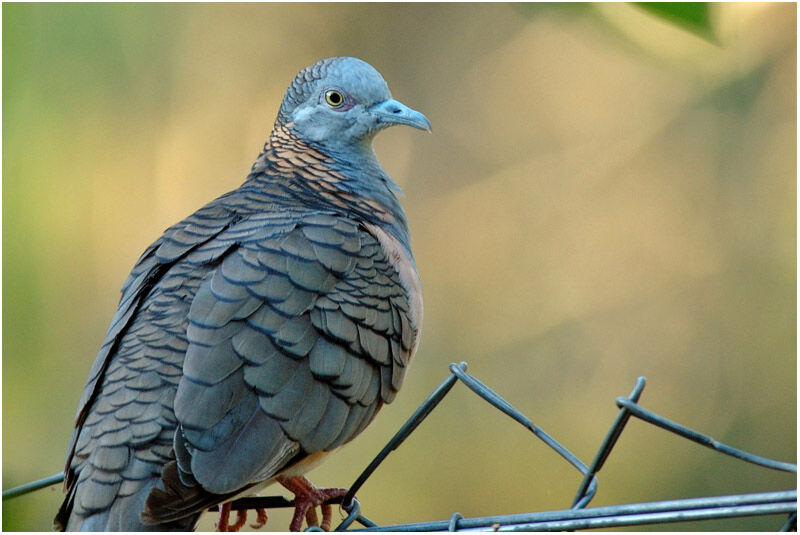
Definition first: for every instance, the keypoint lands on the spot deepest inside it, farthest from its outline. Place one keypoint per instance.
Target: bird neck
(350, 182)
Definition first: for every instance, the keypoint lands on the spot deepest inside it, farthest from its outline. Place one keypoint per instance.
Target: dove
(261, 333)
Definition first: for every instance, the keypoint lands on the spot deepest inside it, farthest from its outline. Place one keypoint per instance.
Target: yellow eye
(334, 98)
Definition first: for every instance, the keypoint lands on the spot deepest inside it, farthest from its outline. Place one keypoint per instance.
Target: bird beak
(392, 112)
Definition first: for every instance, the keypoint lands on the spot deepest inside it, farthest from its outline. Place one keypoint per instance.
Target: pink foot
(306, 498)
(224, 516)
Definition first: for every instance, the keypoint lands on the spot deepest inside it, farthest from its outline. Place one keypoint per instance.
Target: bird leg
(306, 498)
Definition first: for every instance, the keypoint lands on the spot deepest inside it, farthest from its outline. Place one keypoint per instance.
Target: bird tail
(124, 514)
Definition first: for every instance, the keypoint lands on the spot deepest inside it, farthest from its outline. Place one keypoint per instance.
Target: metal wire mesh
(578, 516)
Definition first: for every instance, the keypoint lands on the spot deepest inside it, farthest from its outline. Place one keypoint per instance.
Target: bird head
(341, 103)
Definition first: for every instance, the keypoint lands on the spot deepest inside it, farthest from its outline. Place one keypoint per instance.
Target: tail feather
(171, 500)
(124, 514)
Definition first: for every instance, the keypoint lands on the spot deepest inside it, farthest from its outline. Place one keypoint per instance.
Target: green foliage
(691, 16)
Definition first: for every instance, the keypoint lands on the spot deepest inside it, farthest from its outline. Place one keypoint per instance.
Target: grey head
(341, 103)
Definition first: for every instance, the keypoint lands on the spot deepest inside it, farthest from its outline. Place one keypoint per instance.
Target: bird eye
(334, 98)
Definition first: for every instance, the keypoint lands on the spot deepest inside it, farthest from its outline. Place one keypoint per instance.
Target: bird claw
(241, 520)
(261, 519)
(223, 524)
(224, 516)
(306, 498)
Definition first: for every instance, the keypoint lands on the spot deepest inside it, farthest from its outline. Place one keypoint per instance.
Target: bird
(261, 333)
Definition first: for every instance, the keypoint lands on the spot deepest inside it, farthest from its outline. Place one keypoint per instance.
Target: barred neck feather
(353, 184)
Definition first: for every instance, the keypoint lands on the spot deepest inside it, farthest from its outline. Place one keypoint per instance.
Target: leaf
(691, 16)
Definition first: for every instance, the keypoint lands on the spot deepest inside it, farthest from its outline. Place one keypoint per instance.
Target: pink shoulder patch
(409, 277)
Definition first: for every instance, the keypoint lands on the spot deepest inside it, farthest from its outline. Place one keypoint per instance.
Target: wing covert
(295, 342)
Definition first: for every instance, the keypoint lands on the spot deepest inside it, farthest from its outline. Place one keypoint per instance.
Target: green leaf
(691, 16)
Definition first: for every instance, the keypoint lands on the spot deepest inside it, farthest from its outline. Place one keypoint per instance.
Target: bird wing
(122, 412)
(295, 340)
(177, 241)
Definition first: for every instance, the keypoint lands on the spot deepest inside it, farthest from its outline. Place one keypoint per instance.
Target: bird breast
(409, 278)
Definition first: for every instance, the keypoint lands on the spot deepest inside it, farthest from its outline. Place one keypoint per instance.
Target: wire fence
(578, 516)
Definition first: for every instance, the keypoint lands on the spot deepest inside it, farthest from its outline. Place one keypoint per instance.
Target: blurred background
(606, 194)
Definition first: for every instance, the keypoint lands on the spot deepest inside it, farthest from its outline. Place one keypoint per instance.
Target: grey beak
(393, 112)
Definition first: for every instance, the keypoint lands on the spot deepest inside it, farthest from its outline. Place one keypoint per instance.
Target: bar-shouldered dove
(262, 332)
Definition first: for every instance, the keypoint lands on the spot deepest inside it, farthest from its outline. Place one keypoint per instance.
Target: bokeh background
(606, 194)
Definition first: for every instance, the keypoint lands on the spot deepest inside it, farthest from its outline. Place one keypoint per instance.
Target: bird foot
(306, 498)
(223, 524)
(261, 519)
